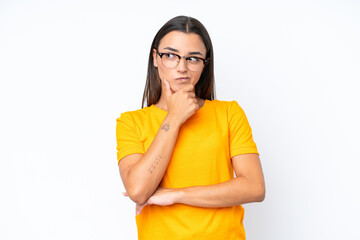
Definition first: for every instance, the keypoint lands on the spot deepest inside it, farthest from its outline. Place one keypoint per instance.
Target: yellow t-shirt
(202, 156)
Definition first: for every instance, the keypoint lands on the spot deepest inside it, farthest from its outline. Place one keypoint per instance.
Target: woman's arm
(248, 186)
(142, 173)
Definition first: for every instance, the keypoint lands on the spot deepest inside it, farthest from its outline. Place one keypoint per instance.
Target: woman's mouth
(182, 79)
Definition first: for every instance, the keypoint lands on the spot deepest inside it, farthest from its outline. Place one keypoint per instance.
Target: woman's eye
(170, 55)
(193, 59)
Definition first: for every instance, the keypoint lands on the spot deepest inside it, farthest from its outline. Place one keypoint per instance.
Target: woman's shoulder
(133, 114)
(226, 107)
(223, 103)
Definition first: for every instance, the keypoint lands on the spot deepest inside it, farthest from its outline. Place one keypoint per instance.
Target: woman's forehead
(183, 42)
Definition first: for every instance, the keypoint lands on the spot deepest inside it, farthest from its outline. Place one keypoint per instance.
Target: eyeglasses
(171, 60)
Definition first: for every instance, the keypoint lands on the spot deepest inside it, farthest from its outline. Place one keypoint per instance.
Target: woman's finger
(168, 90)
(139, 208)
(188, 88)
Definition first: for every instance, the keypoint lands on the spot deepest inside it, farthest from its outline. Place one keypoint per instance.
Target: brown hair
(205, 88)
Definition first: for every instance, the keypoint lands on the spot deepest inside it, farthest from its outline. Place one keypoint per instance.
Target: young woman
(178, 155)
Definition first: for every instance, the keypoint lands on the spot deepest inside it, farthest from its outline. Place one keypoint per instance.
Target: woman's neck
(162, 103)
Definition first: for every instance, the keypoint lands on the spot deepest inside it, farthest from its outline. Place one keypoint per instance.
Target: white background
(69, 68)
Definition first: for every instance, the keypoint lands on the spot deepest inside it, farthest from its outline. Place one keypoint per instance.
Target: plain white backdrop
(69, 68)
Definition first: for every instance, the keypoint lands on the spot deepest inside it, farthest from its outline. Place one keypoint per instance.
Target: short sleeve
(127, 137)
(240, 134)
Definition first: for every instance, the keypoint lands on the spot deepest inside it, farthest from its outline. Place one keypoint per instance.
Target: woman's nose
(182, 65)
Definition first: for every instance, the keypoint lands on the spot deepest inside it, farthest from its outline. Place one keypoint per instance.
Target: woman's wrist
(180, 195)
(171, 122)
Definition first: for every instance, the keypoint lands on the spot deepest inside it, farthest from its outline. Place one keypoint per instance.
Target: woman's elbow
(260, 193)
(138, 199)
(137, 195)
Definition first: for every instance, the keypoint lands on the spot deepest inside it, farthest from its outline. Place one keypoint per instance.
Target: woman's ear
(155, 58)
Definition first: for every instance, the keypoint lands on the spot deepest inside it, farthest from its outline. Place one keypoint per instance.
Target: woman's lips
(182, 79)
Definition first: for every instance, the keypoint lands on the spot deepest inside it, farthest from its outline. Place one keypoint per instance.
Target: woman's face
(182, 44)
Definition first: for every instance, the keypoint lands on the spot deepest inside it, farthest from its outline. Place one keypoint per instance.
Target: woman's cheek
(196, 79)
(164, 74)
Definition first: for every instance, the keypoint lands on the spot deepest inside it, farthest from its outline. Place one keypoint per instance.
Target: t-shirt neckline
(196, 115)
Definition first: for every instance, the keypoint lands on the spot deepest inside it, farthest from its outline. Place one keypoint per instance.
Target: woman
(178, 155)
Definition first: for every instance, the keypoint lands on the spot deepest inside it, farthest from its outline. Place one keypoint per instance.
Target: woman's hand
(181, 104)
(162, 197)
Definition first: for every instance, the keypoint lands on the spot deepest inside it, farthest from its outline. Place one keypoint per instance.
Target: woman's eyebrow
(190, 53)
(193, 53)
(172, 49)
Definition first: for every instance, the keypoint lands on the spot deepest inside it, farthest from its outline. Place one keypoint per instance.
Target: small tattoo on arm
(165, 127)
(154, 164)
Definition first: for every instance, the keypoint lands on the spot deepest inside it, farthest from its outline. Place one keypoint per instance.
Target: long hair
(205, 88)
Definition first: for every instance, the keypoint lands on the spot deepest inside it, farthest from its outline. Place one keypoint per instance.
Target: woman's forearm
(236, 191)
(230, 193)
(145, 175)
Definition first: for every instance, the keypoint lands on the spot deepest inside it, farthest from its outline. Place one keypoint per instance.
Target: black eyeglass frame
(205, 60)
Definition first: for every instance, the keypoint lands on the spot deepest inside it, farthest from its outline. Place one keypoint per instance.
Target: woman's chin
(177, 86)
